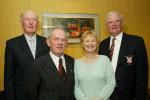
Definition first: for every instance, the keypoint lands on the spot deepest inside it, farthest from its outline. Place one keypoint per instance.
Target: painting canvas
(74, 24)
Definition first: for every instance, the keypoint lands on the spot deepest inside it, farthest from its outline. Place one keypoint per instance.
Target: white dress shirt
(32, 43)
(116, 50)
(56, 60)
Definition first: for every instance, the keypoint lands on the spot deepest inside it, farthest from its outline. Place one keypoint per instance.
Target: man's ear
(48, 42)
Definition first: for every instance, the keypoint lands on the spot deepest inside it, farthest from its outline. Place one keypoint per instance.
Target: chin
(114, 34)
(91, 51)
(31, 32)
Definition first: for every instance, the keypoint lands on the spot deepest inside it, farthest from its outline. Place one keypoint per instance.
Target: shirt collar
(118, 37)
(54, 57)
(30, 38)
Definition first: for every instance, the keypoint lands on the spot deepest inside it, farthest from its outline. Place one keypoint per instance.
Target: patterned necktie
(61, 70)
(111, 50)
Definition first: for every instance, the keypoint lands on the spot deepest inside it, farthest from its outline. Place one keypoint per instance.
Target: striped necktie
(111, 50)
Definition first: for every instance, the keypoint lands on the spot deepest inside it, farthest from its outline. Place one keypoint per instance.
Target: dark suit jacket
(17, 64)
(131, 77)
(45, 83)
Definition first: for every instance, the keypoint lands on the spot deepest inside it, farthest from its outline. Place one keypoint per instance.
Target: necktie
(32, 47)
(111, 50)
(61, 70)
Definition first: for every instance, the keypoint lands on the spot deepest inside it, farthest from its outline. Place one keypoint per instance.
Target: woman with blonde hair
(94, 76)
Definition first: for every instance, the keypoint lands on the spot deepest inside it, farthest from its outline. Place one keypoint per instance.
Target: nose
(31, 22)
(60, 42)
(114, 23)
(91, 42)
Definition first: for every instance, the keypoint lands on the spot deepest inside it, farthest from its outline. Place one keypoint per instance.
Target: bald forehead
(29, 13)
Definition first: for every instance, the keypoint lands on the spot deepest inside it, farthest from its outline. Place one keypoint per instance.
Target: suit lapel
(51, 68)
(122, 49)
(25, 47)
(38, 46)
(107, 47)
(52, 71)
(104, 47)
(68, 66)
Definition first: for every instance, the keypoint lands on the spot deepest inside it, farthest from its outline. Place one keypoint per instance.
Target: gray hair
(54, 28)
(114, 13)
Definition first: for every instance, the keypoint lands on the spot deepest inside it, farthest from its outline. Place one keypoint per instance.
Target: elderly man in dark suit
(129, 59)
(20, 52)
(52, 77)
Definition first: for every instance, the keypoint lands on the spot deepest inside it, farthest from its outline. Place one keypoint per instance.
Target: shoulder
(78, 60)
(104, 58)
(133, 39)
(39, 63)
(42, 60)
(105, 40)
(67, 57)
(79, 64)
(104, 62)
(41, 37)
(14, 40)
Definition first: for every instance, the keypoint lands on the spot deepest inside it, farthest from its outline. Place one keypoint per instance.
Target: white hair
(114, 13)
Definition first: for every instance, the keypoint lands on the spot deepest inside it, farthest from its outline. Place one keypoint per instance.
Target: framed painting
(74, 24)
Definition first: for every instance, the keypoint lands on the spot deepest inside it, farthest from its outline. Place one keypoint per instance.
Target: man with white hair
(20, 52)
(129, 60)
(52, 76)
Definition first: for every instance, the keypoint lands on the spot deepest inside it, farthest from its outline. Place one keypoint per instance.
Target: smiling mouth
(114, 28)
(91, 47)
(60, 47)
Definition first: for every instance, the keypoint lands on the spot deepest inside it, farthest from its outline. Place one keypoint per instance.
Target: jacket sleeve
(141, 71)
(9, 67)
(107, 90)
(79, 95)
